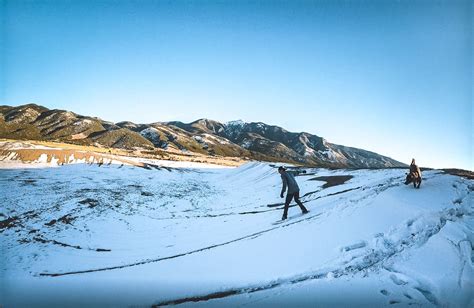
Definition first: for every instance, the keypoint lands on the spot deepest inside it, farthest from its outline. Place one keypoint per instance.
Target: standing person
(415, 173)
(414, 168)
(293, 191)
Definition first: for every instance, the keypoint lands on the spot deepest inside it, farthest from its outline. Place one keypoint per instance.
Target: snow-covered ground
(119, 235)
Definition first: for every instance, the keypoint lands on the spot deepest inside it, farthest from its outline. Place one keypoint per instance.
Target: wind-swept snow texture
(84, 235)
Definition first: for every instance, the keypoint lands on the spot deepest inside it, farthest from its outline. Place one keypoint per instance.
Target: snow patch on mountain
(246, 143)
(82, 122)
(198, 138)
(235, 123)
(234, 128)
(215, 139)
(330, 154)
(153, 135)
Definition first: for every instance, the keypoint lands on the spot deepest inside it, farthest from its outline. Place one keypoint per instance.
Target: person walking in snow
(293, 191)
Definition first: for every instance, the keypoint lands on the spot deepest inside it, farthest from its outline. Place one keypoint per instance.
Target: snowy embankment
(121, 235)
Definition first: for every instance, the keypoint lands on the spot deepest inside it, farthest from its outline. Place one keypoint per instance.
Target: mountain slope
(298, 147)
(39, 123)
(254, 140)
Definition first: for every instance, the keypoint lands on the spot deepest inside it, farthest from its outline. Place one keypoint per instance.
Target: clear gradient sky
(394, 77)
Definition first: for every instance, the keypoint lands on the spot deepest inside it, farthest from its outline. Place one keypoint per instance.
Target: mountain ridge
(251, 140)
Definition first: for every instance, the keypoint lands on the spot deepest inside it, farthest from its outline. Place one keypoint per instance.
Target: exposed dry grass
(460, 172)
(63, 156)
(63, 152)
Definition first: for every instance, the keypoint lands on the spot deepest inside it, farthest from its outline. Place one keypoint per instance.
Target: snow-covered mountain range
(257, 141)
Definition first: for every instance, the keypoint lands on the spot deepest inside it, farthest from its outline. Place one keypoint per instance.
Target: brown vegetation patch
(67, 219)
(92, 202)
(8, 223)
(52, 222)
(43, 240)
(62, 153)
(460, 172)
(63, 156)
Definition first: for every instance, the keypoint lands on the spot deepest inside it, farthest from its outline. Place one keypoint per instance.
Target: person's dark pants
(290, 197)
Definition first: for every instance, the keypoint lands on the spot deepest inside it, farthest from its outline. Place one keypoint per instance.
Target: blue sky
(394, 77)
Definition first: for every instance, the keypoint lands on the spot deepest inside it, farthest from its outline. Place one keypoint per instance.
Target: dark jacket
(289, 180)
